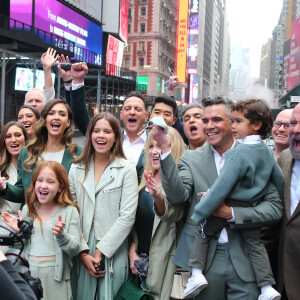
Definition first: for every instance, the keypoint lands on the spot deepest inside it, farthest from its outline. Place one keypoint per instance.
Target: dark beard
(295, 153)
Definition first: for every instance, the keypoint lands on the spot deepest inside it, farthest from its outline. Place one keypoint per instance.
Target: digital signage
(55, 17)
(21, 10)
(294, 65)
(181, 46)
(24, 79)
(114, 55)
(124, 4)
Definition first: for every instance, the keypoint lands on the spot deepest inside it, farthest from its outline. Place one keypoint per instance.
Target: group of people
(159, 193)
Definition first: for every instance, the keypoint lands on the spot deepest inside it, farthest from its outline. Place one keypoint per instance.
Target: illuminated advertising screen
(24, 79)
(294, 65)
(21, 10)
(124, 4)
(181, 46)
(55, 17)
(193, 30)
(114, 55)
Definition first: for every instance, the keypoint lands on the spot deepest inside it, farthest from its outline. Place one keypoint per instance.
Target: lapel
(209, 166)
(67, 159)
(155, 225)
(89, 183)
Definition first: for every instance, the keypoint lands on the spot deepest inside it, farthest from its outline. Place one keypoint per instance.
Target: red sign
(124, 4)
(294, 66)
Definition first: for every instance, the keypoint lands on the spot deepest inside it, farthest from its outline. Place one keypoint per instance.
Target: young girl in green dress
(56, 236)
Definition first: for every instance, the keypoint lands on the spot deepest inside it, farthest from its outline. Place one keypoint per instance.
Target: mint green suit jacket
(196, 173)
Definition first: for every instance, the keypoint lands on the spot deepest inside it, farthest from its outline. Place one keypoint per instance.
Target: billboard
(115, 18)
(21, 10)
(55, 17)
(114, 55)
(294, 65)
(124, 4)
(181, 44)
(24, 79)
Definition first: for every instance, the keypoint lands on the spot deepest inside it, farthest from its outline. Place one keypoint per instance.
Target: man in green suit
(228, 268)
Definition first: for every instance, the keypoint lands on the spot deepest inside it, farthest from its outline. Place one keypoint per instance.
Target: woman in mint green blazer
(53, 141)
(104, 185)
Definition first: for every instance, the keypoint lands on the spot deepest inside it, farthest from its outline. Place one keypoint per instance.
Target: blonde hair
(177, 149)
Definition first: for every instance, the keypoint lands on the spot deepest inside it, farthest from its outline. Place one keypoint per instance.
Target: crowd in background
(139, 200)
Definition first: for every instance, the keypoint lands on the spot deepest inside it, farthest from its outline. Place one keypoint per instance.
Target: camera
(15, 255)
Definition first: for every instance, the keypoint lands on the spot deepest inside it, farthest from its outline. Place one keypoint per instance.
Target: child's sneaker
(194, 286)
(270, 294)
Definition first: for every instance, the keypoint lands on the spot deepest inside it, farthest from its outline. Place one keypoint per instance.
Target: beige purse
(181, 277)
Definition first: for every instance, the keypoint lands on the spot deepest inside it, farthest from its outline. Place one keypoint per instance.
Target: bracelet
(68, 81)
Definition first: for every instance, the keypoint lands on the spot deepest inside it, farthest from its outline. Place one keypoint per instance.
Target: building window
(129, 13)
(143, 27)
(128, 47)
(141, 61)
(127, 63)
(142, 46)
(143, 11)
(129, 28)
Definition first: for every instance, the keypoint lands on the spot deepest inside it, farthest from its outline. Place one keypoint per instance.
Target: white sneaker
(270, 294)
(194, 286)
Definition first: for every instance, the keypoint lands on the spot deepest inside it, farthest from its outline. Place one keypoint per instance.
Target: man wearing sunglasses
(280, 131)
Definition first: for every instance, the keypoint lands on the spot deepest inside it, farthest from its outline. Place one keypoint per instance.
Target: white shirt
(133, 150)
(219, 161)
(295, 186)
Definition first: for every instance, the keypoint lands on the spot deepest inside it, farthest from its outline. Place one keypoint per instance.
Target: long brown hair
(88, 151)
(63, 198)
(5, 156)
(36, 146)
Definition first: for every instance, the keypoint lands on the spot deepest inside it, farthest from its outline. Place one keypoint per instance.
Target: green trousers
(223, 281)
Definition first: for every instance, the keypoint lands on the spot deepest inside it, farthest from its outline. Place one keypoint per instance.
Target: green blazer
(196, 173)
(16, 193)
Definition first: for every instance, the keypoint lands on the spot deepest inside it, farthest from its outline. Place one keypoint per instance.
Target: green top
(244, 177)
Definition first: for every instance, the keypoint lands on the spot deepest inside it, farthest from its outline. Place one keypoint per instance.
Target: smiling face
(46, 186)
(192, 125)
(27, 118)
(57, 120)
(241, 126)
(14, 140)
(103, 137)
(153, 153)
(165, 111)
(280, 132)
(133, 115)
(217, 127)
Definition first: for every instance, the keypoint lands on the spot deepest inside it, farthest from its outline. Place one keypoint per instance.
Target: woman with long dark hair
(12, 138)
(104, 185)
(52, 141)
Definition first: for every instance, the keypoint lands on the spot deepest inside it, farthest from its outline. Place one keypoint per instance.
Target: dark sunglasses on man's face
(278, 124)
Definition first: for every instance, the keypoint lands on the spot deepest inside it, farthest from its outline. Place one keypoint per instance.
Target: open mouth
(281, 136)
(15, 146)
(101, 143)
(211, 134)
(193, 129)
(55, 125)
(27, 126)
(44, 193)
(296, 142)
(132, 121)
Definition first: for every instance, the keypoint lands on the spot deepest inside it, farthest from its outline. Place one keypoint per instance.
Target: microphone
(64, 66)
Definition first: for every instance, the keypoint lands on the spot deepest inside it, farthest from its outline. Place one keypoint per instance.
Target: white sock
(196, 271)
(265, 288)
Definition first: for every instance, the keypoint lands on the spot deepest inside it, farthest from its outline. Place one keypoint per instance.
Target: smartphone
(101, 267)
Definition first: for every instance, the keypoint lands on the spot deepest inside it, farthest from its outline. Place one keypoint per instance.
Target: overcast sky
(252, 22)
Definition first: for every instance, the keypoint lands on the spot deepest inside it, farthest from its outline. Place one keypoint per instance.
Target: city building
(151, 47)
